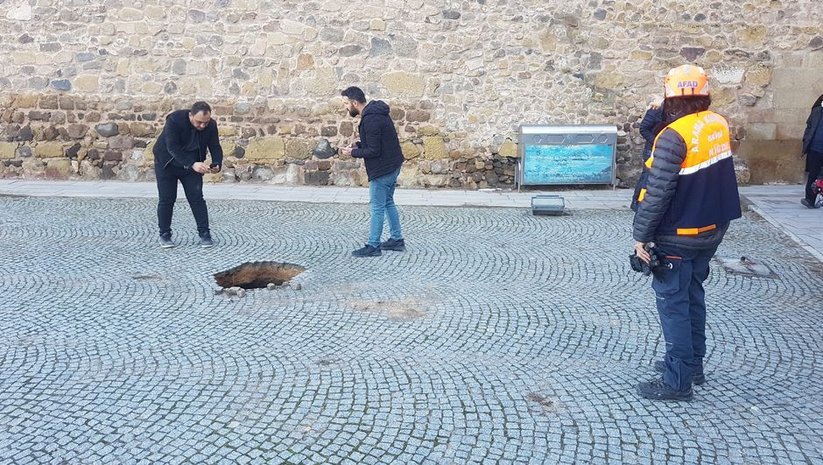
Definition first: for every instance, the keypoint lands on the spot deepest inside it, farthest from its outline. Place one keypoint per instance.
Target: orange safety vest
(706, 194)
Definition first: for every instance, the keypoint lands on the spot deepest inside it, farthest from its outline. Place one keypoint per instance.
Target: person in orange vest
(683, 213)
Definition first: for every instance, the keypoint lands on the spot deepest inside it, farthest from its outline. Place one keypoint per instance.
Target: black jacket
(182, 145)
(812, 126)
(661, 186)
(379, 146)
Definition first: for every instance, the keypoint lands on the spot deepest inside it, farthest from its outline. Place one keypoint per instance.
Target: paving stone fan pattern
(497, 337)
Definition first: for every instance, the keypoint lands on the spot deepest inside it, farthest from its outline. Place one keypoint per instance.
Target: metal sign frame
(570, 135)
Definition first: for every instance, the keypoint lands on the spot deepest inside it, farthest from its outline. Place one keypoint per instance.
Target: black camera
(646, 268)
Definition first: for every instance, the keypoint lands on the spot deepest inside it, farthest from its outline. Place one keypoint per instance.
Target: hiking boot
(396, 245)
(165, 241)
(658, 390)
(205, 241)
(367, 251)
(808, 204)
(697, 379)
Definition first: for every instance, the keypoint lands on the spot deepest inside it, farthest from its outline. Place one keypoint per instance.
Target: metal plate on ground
(745, 266)
(548, 205)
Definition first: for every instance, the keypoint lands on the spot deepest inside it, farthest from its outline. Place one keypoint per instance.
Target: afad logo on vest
(687, 85)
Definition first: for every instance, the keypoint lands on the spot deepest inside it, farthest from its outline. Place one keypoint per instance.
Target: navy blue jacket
(182, 145)
(708, 196)
(379, 146)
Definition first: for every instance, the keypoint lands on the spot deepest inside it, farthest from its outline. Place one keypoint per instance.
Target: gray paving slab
(780, 206)
(497, 337)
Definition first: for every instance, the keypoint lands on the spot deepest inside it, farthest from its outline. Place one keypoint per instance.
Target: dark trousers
(192, 182)
(814, 164)
(681, 305)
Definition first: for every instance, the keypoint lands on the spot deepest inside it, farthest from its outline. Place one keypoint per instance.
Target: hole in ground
(256, 275)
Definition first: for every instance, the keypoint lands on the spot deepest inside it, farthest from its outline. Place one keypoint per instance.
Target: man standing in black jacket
(180, 155)
(379, 148)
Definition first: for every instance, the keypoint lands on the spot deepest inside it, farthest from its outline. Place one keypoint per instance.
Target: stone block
(324, 82)
(154, 12)
(49, 102)
(772, 160)
(403, 84)
(33, 167)
(48, 150)
(798, 99)
(121, 142)
(790, 131)
(752, 35)
(300, 149)
(317, 178)
(39, 115)
(87, 83)
(609, 80)
(59, 168)
(77, 131)
(758, 76)
(761, 131)
(107, 129)
(410, 150)
(434, 148)
(265, 149)
(143, 130)
(418, 116)
(227, 131)
(25, 101)
(795, 78)
(148, 153)
(7, 150)
(508, 149)
(129, 14)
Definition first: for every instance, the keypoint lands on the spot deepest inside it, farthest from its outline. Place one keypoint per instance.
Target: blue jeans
(681, 304)
(381, 200)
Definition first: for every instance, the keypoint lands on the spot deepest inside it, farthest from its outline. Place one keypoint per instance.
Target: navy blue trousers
(681, 305)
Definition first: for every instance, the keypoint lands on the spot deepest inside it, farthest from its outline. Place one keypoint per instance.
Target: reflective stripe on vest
(695, 231)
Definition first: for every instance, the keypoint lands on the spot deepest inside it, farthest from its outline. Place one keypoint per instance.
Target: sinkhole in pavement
(256, 275)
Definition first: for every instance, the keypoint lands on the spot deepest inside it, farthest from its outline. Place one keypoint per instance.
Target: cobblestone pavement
(497, 337)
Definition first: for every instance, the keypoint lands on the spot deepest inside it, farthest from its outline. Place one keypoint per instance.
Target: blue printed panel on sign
(568, 164)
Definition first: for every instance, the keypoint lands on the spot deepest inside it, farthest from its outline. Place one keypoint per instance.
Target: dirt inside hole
(256, 275)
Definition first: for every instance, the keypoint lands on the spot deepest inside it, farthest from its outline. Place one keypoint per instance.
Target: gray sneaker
(165, 241)
(205, 241)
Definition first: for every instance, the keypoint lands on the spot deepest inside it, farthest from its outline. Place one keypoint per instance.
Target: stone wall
(86, 85)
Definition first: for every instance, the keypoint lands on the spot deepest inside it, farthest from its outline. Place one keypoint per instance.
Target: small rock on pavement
(232, 290)
(271, 286)
(241, 293)
(219, 291)
(296, 286)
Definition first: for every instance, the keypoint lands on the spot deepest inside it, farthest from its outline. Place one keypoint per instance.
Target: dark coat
(813, 136)
(182, 145)
(379, 146)
(650, 125)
